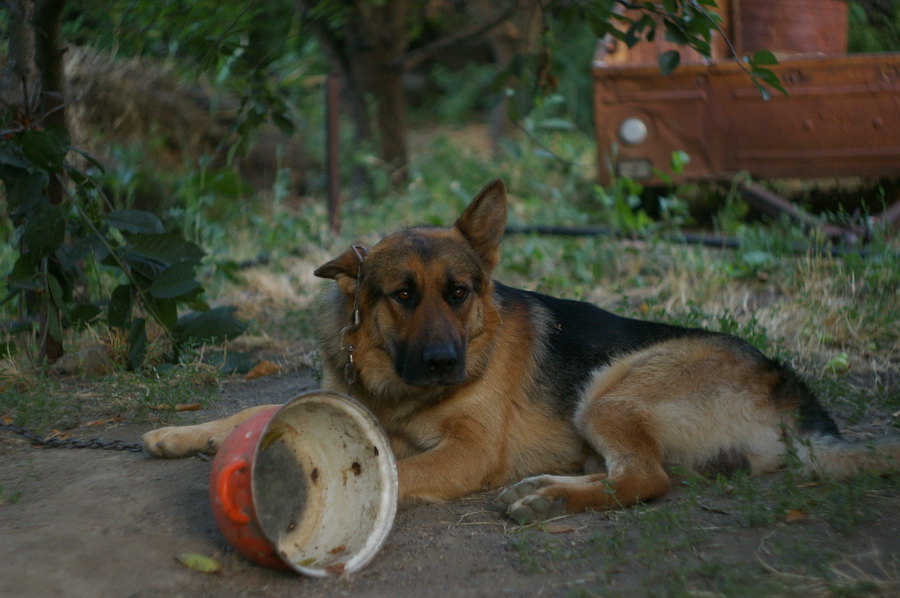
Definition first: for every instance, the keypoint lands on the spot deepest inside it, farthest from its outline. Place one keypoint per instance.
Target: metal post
(332, 143)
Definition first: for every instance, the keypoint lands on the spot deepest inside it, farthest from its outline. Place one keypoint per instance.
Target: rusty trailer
(841, 117)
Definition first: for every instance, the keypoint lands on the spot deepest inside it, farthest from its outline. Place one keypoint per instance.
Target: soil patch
(101, 523)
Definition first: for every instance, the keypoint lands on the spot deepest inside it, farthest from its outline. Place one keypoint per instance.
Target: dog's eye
(403, 295)
(459, 293)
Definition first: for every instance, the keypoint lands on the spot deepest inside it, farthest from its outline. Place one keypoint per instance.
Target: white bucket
(324, 484)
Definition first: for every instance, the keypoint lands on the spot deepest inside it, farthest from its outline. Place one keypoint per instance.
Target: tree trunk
(516, 35)
(20, 77)
(381, 82)
(34, 75)
(49, 52)
(49, 58)
(365, 51)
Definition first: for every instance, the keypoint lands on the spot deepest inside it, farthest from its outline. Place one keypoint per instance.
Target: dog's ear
(342, 270)
(483, 221)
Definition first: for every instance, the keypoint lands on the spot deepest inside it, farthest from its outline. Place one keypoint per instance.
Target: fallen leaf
(199, 562)
(795, 515)
(101, 422)
(263, 368)
(559, 529)
(338, 549)
(7, 420)
(188, 407)
(271, 436)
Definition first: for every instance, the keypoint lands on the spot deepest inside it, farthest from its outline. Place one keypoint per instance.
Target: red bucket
(310, 486)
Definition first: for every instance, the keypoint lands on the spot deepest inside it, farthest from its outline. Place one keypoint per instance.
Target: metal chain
(350, 368)
(73, 443)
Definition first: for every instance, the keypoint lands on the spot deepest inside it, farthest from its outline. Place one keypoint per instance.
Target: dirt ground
(103, 523)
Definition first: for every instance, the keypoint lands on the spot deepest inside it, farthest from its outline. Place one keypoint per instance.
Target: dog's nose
(440, 358)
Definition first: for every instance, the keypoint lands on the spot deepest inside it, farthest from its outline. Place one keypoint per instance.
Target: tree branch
(414, 57)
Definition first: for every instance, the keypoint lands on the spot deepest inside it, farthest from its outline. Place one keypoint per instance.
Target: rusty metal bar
(775, 205)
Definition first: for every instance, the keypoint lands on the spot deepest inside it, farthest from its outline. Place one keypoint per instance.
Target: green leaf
(769, 78)
(45, 233)
(668, 61)
(676, 36)
(44, 150)
(175, 281)
(517, 65)
(119, 309)
(166, 311)
(763, 57)
(70, 257)
(500, 80)
(283, 122)
(24, 275)
(149, 255)
(91, 159)
(680, 159)
(56, 293)
(135, 221)
(24, 189)
(632, 36)
(11, 155)
(163, 249)
(601, 27)
(137, 343)
(208, 327)
(54, 328)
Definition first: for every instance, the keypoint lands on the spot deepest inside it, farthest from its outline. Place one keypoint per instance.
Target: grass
(719, 537)
(735, 537)
(42, 401)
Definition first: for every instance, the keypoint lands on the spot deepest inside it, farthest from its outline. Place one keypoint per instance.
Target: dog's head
(425, 297)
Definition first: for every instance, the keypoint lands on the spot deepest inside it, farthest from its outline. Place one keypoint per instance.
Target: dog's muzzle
(437, 364)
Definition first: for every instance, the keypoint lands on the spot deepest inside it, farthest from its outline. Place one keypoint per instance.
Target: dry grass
(868, 574)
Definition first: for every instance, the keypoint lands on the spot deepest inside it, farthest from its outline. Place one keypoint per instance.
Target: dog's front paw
(519, 491)
(536, 507)
(526, 504)
(178, 441)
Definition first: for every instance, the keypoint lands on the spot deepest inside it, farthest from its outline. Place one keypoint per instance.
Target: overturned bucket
(310, 486)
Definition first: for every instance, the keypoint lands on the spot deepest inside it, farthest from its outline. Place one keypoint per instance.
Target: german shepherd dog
(479, 385)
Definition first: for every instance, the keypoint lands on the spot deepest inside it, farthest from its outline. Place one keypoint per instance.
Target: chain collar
(350, 368)
(70, 443)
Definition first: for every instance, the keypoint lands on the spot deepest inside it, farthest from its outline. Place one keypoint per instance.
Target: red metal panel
(842, 117)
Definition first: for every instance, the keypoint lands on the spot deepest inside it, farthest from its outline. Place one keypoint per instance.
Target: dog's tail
(828, 455)
(817, 441)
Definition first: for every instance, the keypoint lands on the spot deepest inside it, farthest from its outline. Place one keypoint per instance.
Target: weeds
(43, 401)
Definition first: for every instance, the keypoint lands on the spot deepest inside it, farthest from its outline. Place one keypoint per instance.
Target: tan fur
(688, 401)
